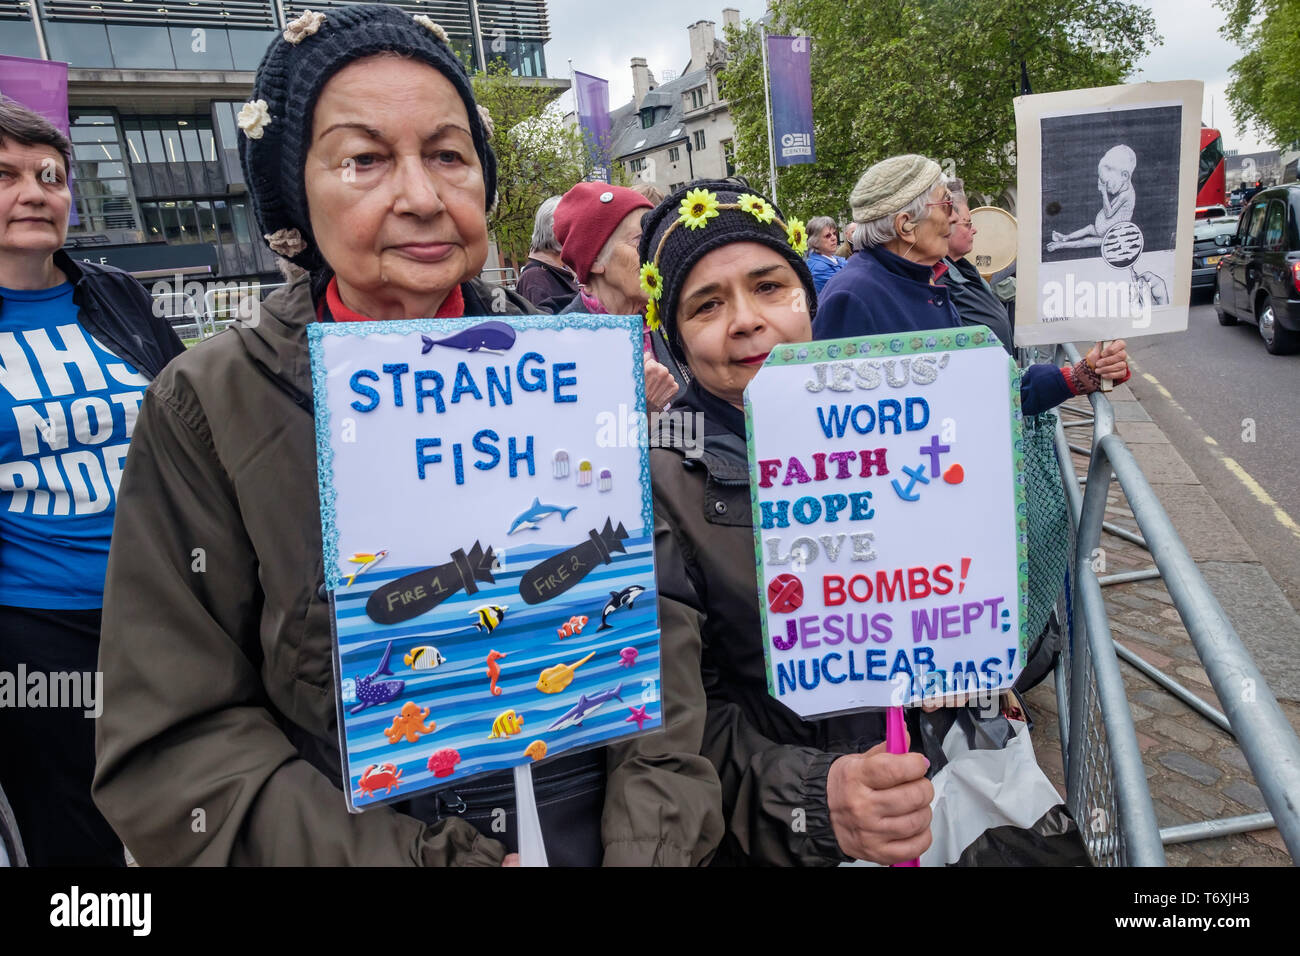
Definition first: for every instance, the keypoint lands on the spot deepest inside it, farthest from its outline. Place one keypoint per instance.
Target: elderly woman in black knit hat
(369, 166)
(726, 277)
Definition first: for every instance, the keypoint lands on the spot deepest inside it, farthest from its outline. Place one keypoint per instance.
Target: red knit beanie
(587, 216)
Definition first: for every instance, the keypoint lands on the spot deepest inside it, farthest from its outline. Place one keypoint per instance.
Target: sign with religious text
(890, 523)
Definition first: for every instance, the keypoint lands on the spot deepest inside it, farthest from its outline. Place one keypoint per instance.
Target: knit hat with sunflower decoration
(697, 219)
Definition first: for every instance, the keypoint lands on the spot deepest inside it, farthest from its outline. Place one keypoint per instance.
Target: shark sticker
(371, 692)
(586, 706)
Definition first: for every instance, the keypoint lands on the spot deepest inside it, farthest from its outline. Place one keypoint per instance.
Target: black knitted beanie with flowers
(277, 122)
(695, 220)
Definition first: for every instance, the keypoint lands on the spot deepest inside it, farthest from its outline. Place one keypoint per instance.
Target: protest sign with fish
(436, 441)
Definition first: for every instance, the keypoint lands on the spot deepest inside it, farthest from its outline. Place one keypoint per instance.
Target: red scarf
(453, 307)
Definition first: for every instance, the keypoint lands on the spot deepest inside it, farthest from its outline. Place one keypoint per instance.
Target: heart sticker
(954, 475)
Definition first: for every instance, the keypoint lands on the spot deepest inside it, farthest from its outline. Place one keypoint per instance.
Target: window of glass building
(132, 46)
(140, 47)
(173, 156)
(80, 44)
(247, 47)
(227, 132)
(523, 57)
(202, 48)
(100, 183)
(18, 34)
(178, 165)
(227, 224)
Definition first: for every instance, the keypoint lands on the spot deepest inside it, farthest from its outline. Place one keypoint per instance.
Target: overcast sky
(602, 37)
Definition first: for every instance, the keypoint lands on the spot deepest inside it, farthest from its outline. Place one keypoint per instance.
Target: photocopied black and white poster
(1106, 202)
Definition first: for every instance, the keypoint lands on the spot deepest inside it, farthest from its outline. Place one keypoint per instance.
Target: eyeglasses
(965, 222)
(943, 202)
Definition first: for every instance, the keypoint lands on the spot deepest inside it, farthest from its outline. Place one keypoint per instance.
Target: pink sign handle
(896, 743)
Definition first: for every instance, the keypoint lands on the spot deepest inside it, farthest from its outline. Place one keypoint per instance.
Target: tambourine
(995, 239)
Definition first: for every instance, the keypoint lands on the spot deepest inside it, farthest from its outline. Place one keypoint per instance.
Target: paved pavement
(1195, 770)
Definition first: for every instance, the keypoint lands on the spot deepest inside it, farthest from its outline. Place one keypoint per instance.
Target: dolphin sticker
(534, 513)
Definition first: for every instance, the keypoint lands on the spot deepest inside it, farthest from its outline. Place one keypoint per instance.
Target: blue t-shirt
(67, 409)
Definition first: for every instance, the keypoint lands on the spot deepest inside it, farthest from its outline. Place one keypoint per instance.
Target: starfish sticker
(639, 716)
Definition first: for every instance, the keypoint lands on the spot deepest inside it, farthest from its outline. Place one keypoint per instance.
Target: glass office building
(153, 90)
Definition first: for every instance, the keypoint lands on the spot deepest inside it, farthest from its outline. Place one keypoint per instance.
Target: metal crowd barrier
(222, 304)
(1106, 785)
(223, 307)
(183, 313)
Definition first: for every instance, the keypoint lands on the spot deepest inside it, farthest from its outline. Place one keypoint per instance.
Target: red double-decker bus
(1210, 180)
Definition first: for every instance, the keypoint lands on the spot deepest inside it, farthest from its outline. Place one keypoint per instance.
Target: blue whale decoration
(484, 337)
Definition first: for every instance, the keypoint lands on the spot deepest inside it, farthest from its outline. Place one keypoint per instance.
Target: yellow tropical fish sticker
(507, 724)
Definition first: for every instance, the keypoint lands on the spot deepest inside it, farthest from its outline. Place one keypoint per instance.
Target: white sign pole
(532, 849)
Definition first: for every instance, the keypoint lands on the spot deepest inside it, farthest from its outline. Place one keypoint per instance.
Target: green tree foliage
(1265, 87)
(922, 76)
(538, 155)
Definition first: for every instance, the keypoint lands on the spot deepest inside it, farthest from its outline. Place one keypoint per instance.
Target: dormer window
(695, 98)
(647, 117)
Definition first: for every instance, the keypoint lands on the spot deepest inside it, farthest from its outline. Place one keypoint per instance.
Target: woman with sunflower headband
(726, 279)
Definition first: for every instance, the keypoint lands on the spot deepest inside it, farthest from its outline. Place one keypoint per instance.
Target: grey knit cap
(891, 184)
(276, 125)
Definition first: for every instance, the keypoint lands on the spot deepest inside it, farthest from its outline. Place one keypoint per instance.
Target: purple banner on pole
(41, 86)
(790, 78)
(593, 117)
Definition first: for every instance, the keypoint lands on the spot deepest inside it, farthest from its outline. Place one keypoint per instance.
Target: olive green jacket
(219, 741)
